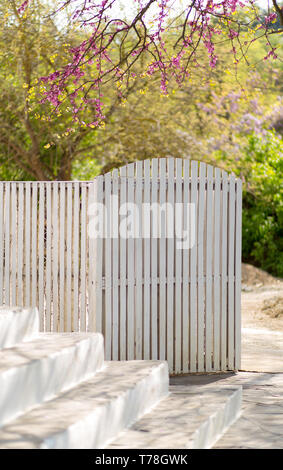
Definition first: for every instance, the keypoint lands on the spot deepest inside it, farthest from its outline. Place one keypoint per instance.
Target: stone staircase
(57, 392)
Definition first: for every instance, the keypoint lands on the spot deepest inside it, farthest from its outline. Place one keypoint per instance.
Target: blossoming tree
(116, 43)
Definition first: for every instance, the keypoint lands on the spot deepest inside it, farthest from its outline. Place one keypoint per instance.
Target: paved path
(262, 350)
(260, 425)
(261, 422)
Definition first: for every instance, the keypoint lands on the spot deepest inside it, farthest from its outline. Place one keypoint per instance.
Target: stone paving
(189, 418)
(260, 425)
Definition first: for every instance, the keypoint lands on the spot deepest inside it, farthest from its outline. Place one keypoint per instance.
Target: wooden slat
(146, 257)
(115, 266)
(83, 258)
(20, 299)
(141, 306)
(48, 287)
(170, 262)
(193, 273)
(34, 232)
(55, 254)
(62, 250)
(185, 269)
(131, 269)
(154, 260)
(68, 287)
(1, 241)
(231, 272)
(162, 263)
(238, 252)
(76, 259)
(41, 247)
(14, 211)
(201, 284)
(216, 296)
(209, 237)
(100, 258)
(7, 244)
(224, 221)
(178, 268)
(108, 269)
(123, 270)
(27, 244)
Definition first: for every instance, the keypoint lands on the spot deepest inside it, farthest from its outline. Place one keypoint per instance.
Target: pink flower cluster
(92, 63)
(23, 6)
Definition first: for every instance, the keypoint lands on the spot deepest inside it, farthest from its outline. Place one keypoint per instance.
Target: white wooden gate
(153, 300)
(150, 298)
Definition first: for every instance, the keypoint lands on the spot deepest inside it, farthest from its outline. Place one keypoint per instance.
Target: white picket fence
(150, 299)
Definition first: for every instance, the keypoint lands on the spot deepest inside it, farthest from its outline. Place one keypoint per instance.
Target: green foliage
(85, 169)
(263, 203)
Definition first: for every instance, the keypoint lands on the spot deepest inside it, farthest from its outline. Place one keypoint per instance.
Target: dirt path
(262, 300)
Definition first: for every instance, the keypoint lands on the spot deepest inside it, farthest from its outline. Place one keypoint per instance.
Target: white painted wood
(27, 301)
(95, 256)
(185, 271)
(62, 258)
(238, 259)
(193, 272)
(231, 273)
(142, 340)
(209, 240)
(154, 261)
(216, 262)
(151, 299)
(20, 300)
(145, 256)
(48, 271)
(34, 232)
(1, 242)
(170, 263)
(200, 263)
(123, 270)
(162, 261)
(55, 255)
(7, 244)
(108, 269)
(99, 259)
(178, 268)
(76, 259)
(131, 268)
(224, 274)
(41, 247)
(69, 232)
(14, 243)
(83, 257)
(115, 267)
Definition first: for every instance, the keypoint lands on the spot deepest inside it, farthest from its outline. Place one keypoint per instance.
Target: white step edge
(92, 414)
(36, 371)
(217, 423)
(17, 325)
(191, 417)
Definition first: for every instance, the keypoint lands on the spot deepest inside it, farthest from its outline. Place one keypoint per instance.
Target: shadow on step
(200, 379)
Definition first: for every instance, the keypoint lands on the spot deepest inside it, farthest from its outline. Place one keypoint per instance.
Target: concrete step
(35, 371)
(189, 418)
(17, 324)
(94, 412)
